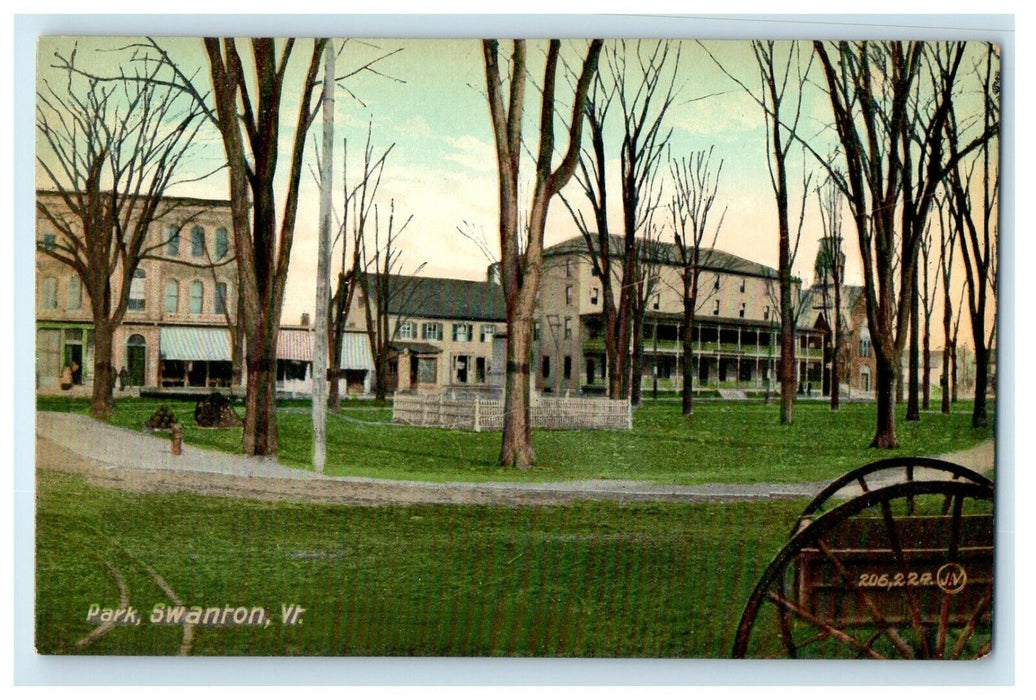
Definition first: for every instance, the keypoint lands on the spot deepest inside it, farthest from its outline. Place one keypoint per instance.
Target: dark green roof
(435, 297)
(668, 254)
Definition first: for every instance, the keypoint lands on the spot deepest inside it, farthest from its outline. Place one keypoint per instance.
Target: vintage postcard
(646, 348)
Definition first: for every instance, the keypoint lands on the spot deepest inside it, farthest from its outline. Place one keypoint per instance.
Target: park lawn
(596, 579)
(722, 442)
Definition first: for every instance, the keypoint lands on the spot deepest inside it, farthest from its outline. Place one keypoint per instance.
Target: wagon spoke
(825, 626)
(952, 551)
(897, 550)
(879, 620)
(968, 631)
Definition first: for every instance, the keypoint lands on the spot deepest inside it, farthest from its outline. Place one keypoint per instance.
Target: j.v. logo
(951, 578)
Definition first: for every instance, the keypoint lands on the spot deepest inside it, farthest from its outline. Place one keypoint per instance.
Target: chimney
(304, 321)
(493, 273)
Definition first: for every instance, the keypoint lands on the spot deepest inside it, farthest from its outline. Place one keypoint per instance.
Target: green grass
(586, 579)
(722, 442)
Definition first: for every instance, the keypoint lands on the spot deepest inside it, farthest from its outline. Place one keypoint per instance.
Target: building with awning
(295, 360)
(356, 363)
(195, 356)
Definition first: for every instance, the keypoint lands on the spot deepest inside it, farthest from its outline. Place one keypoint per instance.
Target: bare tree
(776, 74)
(382, 293)
(641, 79)
(592, 179)
(111, 149)
(651, 256)
(883, 131)
(831, 266)
(976, 224)
(928, 290)
(358, 201)
(251, 141)
(521, 263)
(694, 194)
(947, 248)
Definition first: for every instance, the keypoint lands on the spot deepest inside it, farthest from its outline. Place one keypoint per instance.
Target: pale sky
(442, 169)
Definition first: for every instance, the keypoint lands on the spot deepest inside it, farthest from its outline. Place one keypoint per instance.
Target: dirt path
(114, 457)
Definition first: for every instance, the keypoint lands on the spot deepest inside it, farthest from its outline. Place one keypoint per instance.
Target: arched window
(198, 242)
(138, 291)
(197, 297)
(172, 246)
(172, 296)
(221, 298)
(136, 360)
(865, 343)
(222, 243)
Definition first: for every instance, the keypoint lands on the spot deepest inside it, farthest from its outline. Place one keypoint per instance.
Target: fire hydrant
(177, 442)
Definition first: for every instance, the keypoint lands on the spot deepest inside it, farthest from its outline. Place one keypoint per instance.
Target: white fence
(479, 414)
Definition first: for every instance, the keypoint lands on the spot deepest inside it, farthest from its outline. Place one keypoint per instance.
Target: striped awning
(295, 345)
(356, 352)
(195, 344)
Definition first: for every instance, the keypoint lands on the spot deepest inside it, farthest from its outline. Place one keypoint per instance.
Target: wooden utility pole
(320, 362)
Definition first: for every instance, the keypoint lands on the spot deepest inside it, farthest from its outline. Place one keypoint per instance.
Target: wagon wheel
(884, 473)
(884, 575)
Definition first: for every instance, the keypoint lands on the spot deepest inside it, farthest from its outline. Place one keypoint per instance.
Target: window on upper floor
(222, 243)
(715, 308)
(715, 285)
(568, 367)
(766, 313)
(431, 331)
(741, 311)
(865, 346)
(568, 267)
(198, 242)
(535, 330)
(406, 331)
(595, 295)
(172, 245)
(138, 291)
(656, 302)
(568, 295)
(545, 368)
(172, 296)
(50, 241)
(742, 284)
(462, 332)
(221, 298)
(75, 293)
(197, 297)
(487, 332)
(568, 328)
(48, 293)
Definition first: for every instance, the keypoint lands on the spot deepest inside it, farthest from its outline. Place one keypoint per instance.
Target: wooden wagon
(892, 560)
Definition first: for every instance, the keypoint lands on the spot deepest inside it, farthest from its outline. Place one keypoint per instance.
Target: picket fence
(479, 414)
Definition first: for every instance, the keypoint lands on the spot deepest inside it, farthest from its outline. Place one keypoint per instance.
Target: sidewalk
(112, 447)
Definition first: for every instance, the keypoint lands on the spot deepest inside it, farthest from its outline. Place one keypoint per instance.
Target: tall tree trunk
(947, 358)
(101, 402)
(837, 340)
(260, 431)
(687, 394)
(517, 438)
(913, 407)
(885, 435)
(926, 372)
(980, 414)
(637, 355)
(953, 370)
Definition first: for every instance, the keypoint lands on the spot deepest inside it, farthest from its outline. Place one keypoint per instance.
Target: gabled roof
(436, 297)
(668, 254)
